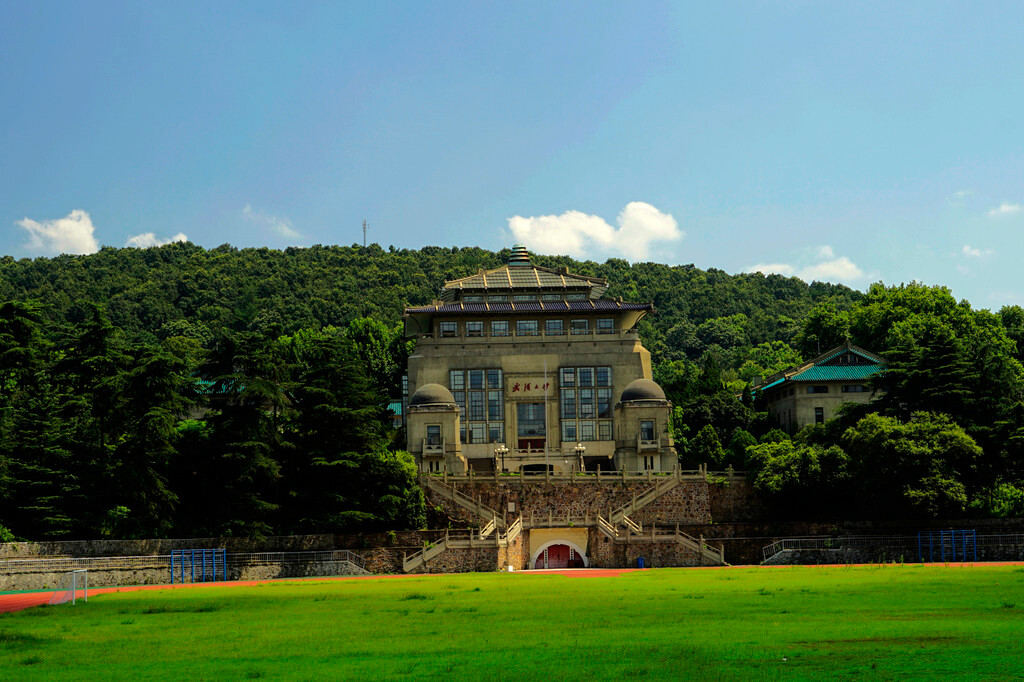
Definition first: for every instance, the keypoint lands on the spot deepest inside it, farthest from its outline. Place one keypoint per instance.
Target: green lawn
(742, 623)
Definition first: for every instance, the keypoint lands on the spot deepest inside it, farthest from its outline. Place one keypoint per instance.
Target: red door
(559, 556)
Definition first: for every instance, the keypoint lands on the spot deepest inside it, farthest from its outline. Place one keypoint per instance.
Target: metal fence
(905, 546)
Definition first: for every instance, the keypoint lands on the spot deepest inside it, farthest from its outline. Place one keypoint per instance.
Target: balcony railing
(577, 334)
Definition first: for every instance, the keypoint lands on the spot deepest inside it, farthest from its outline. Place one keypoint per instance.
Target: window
(526, 327)
(523, 298)
(495, 406)
(605, 325)
(604, 403)
(496, 433)
(433, 434)
(475, 328)
(648, 462)
(647, 429)
(819, 415)
(855, 388)
(480, 396)
(499, 328)
(817, 389)
(434, 465)
(554, 327)
(587, 409)
(449, 329)
(575, 297)
(473, 299)
(580, 326)
(476, 406)
(580, 399)
(498, 299)
(568, 399)
(548, 298)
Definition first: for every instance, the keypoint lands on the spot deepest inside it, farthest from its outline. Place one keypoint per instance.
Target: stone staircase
(633, 533)
(466, 539)
(640, 501)
(489, 516)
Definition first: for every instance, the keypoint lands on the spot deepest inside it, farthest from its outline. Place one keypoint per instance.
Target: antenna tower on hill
(364, 233)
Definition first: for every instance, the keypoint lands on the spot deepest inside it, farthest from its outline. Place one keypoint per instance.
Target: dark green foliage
(705, 448)
(799, 478)
(102, 430)
(915, 468)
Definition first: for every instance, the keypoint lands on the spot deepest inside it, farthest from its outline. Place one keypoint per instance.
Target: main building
(523, 367)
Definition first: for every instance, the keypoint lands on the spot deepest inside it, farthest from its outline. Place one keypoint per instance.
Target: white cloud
(976, 253)
(772, 269)
(148, 239)
(957, 199)
(1004, 209)
(963, 269)
(823, 266)
(281, 226)
(575, 233)
(73, 234)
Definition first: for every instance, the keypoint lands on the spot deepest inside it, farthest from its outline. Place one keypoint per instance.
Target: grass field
(742, 623)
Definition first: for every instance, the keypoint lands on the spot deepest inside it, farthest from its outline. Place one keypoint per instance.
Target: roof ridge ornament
(520, 256)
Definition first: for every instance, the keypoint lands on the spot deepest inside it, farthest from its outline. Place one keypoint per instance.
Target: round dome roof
(642, 389)
(431, 394)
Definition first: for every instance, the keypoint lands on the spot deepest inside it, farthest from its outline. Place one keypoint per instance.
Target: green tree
(915, 468)
(706, 448)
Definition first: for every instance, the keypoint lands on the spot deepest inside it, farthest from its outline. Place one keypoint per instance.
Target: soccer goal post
(71, 585)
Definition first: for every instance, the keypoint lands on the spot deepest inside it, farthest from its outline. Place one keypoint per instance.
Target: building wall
(522, 361)
(797, 411)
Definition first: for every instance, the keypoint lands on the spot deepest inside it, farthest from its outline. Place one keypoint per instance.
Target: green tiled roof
(836, 373)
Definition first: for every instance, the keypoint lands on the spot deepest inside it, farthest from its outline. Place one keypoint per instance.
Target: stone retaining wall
(687, 503)
(111, 577)
(91, 548)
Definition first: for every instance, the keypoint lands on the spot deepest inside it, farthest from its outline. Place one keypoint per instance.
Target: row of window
(586, 403)
(450, 329)
(523, 298)
(580, 431)
(847, 388)
(585, 376)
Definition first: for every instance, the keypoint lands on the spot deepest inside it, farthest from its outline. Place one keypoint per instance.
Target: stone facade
(524, 367)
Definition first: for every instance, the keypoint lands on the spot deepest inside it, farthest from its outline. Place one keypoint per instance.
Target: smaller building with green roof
(812, 392)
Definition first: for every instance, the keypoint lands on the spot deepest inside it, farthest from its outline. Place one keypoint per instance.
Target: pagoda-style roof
(523, 276)
(842, 363)
(522, 288)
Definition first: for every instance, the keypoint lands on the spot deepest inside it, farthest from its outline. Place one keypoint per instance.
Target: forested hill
(185, 290)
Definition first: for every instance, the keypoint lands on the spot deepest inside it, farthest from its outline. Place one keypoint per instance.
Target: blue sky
(851, 142)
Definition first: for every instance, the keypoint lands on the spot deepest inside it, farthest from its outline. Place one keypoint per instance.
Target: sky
(835, 141)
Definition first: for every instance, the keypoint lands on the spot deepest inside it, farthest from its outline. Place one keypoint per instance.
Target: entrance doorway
(530, 426)
(559, 556)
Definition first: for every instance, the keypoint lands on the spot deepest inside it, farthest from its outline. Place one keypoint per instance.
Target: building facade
(811, 393)
(526, 368)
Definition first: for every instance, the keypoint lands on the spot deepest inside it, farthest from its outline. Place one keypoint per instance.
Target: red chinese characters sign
(528, 387)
